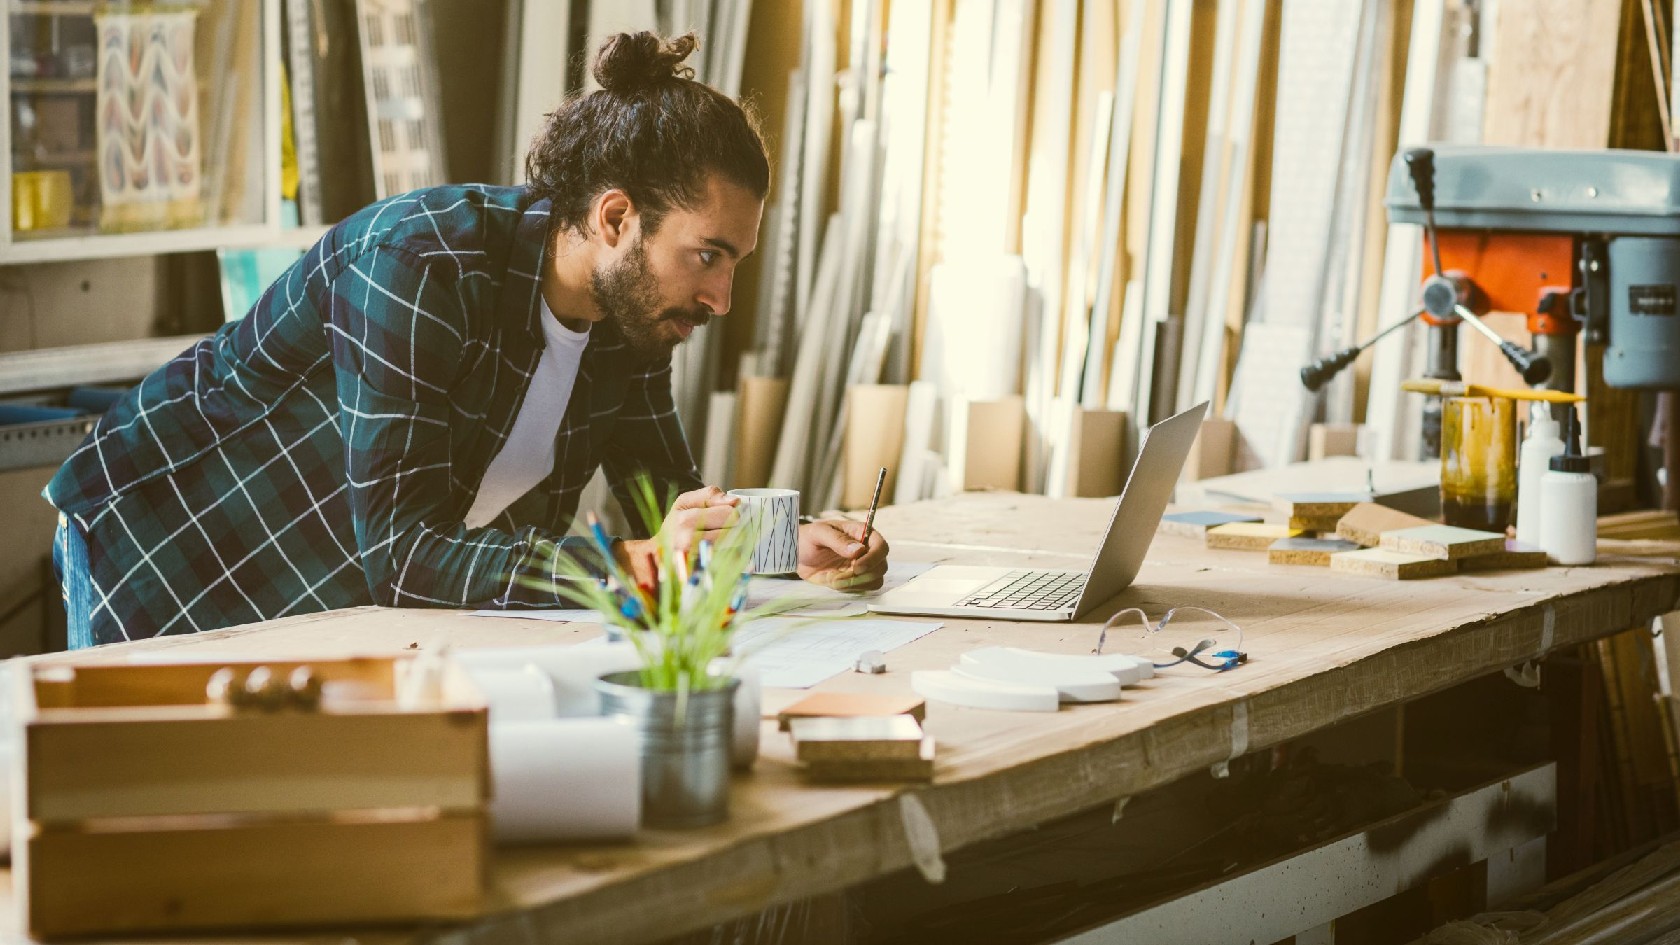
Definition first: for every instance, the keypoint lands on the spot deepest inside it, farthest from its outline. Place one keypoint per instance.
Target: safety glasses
(1208, 653)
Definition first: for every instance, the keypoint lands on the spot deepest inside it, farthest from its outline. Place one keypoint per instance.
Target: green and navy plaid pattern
(322, 451)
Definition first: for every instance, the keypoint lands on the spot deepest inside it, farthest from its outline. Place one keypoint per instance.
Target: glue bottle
(1538, 448)
(1569, 503)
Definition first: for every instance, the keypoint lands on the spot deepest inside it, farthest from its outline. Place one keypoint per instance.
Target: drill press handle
(1420, 163)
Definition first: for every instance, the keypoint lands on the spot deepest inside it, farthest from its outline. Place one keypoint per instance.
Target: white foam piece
(947, 686)
(1072, 683)
(1129, 670)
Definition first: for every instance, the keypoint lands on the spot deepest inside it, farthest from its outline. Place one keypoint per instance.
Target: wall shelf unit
(195, 168)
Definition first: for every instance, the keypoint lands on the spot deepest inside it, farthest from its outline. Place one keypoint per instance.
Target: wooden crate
(144, 808)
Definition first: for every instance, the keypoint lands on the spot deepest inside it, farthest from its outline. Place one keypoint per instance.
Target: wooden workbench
(1324, 647)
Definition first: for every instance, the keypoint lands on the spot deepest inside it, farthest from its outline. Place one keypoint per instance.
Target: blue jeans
(70, 563)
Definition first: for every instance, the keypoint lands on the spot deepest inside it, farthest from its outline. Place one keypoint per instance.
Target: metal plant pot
(685, 757)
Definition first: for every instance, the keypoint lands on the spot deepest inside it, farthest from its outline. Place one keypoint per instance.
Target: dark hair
(651, 131)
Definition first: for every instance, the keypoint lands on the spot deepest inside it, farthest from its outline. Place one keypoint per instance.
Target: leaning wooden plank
(918, 435)
(793, 444)
(1312, 551)
(1076, 317)
(1234, 230)
(1366, 522)
(1211, 454)
(904, 104)
(864, 367)
(1163, 213)
(1108, 254)
(844, 316)
(874, 438)
(720, 439)
(761, 405)
(1561, 100)
(1044, 229)
(1387, 414)
(1246, 536)
(1446, 542)
(1096, 453)
(1316, 62)
(984, 448)
(819, 118)
(1379, 562)
(776, 291)
(1215, 189)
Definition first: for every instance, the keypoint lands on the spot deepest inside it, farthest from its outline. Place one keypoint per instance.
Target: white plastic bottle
(1569, 504)
(1538, 448)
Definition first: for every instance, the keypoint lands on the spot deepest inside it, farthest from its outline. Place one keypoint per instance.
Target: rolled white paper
(573, 669)
(517, 694)
(565, 779)
(743, 749)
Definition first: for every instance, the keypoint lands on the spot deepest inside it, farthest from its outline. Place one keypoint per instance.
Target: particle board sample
(857, 738)
(849, 704)
(1317, 505)
(919, 768)
(1512, 557)
(1366, 522)
(1248, 536)
(1446, 542)
(1313, 551)
(1195, 524)
(1379, 562)
(1325, 524)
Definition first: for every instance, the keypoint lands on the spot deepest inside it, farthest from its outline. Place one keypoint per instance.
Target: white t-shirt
(527, 457)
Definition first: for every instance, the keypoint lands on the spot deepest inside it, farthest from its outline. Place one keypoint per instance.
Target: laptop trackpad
(947, 583)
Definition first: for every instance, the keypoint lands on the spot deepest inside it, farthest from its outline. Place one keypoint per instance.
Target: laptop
(1037, 594)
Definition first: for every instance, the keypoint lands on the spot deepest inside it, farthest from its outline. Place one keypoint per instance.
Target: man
(408, 415)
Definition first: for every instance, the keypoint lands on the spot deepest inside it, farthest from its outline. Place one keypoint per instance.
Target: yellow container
(41, 200)
(1478, 462)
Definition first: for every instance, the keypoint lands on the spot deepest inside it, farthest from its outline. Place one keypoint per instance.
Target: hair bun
(629, 62)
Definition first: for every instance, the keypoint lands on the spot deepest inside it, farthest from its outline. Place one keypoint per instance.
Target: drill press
(1578, 241)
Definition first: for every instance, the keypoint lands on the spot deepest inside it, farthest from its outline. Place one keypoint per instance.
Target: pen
(874, 503)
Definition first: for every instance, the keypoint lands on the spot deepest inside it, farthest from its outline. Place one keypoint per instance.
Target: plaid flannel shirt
(322, 451)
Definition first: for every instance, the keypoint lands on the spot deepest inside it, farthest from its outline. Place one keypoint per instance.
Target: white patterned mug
(773, 516)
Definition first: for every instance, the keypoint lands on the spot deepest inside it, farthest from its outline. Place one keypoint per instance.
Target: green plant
(687, 619)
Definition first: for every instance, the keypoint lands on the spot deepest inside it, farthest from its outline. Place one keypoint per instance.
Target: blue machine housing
(1625, 202)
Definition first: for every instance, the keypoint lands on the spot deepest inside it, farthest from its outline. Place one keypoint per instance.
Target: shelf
(46, 443)
(56, 159)
(52, 7)
(113, 245)
(87, 365)
(300, 237)
(27, 86)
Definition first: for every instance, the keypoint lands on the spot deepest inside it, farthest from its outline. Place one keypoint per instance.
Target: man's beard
(628, 297)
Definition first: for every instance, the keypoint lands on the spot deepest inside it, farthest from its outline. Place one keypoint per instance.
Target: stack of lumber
(1346, 533)
(1632, 906)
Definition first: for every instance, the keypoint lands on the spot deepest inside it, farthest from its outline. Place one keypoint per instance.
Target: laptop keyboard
(1029, 590)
